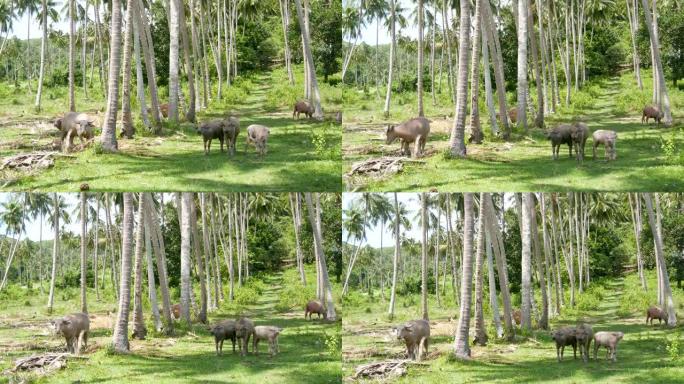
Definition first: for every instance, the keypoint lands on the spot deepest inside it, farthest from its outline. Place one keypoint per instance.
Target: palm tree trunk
(476, 135)
(285, 21)
(72, 52)
(526, 263)
(461, 345)
(186, 237)
(541, 267)
(152, 226)
(424, 256)
(667, 291)
(493, 300)
(318, 112)
(480, 330)
(84, 259)
(151, 287)
(148, 54)
(539, 119)
(174, 62)
(488, 81)
(139, 330)
(120, 336)
(200, 258)
(43, 56)
(189, 65)
(393, 45)
(664, 98)
(108, 136)
(314, 219)
(636, 220)
(139, 82)
(397, 252)
(96, 246)
(127, 121)
(457, 139)
(497, 60)
(522, 86)
(501, 267)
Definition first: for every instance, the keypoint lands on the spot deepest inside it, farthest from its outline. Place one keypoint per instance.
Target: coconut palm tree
(84, 259)
(315, 221)
(120, 336)
(522, 64)
(108, 136)
(424, 256)
(476, 135)
(72, 52)
(308, 55)
(139, 330)
(461, 344)
(58, 212)
(186, 236)
(658, 241)
(480, 330)
(397, 254)
(12, 216)
(421, 54)
(663, 98)
(526, 263)
(457, 139)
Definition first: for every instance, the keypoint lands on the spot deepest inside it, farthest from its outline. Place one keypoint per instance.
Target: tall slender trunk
(314, 218)
(393, 44)
(120, 336)
(461, 345)
(480, 330)
(497, 60)
(139, 330)
(457, 140)
(664, 98)
(397, 253)
(419, 67)
(522, 86)
(285, 21)
(476, 135)
(151, 287)
(108, 136)
(174, 62)
(72, 52)
(43, 55)
(424, 256)
(538, 84)
(84, 258)
(667, 291)
(308, 55)
(526, 263)
(127, 121)
(186, 238)
(148, 54)
(541, 267)
(189, 65)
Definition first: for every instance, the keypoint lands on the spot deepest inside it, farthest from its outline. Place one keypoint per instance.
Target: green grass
(187, 357)
(525, 163)
(643, 355)
(302, 154)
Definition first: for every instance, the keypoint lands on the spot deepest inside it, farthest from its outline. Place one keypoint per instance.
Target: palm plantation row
(216, 243)
(546, 51)
(551, 255)
(202, 53)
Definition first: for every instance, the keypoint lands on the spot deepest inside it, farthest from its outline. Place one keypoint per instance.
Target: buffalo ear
(58, 123)
(390, 128)
(66, 322)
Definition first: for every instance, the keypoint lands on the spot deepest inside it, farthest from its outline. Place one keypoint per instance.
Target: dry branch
(382, 369)
(380, 166)
(44, 363)
(30, 161)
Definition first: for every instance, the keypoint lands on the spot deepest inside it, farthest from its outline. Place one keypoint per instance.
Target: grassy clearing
(648, 158)
(309, 350)
(302, 154)
(647, 354)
